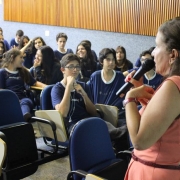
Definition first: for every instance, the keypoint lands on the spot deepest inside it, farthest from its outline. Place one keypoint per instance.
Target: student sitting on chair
(15, 77)
(150, 78)
(15, 41)
(70, 97)
(105, 83)
(61, 39)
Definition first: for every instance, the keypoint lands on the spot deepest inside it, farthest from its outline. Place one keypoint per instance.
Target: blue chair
(10, 107)
(90, 150)
(46, 104)
(45, 98)
(22, 155)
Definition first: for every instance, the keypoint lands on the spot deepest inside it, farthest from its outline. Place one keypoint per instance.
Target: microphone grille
(148, 64)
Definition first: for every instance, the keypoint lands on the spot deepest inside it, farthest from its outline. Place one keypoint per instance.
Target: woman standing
(154, 131)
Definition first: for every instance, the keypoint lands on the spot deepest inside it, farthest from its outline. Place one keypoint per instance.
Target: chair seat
(112, 169)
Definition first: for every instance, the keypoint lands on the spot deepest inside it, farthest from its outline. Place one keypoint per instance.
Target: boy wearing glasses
(69, 97)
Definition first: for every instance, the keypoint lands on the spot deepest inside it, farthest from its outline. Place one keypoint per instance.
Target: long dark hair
(104, 52)
(9, 57)
(20, 46)
(4, 47)
(88, 61)
(125, 62)
(32, 46)
(48, 60)
(171, 37)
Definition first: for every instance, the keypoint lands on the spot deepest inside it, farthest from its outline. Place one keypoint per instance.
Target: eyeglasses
(78, 68)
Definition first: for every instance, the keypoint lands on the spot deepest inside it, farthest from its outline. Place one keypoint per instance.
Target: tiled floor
(55, 170)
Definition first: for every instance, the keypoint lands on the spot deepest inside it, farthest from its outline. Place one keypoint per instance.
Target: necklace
(71, 112)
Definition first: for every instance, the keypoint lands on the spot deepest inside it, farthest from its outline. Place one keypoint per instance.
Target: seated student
(150, 78)
(70, 97)
(93, 52)
(24, 47)
(2, 39)
(104, 84)
(15, 77)
(87, 62)
(46, 68)
(138, 61)
(37, 42)
(61, 39)
(15, 41)
(123, 64)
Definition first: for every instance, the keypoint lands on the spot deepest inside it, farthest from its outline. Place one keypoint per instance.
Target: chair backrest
(46, 130)
(10, 109)
(110, 113)
(22, 155)
(89, 144)
(45, 98)
(3, 150)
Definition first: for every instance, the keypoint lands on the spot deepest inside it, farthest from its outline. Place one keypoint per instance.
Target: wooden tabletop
(36, 88)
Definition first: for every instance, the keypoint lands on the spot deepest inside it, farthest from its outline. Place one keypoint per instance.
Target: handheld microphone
(146, 66)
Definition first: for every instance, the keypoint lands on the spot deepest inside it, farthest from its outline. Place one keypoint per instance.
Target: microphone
(146, 66)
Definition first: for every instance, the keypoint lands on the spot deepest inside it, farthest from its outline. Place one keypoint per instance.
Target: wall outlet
(46, 33)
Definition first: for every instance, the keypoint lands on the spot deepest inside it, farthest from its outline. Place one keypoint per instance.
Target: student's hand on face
(36, 63)
(70, 81)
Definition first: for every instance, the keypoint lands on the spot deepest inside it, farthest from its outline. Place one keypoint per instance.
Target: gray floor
(54, 170)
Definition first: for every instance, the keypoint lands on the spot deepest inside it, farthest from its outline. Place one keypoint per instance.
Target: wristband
(128, 100)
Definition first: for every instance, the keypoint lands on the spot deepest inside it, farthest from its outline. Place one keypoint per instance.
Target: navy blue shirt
(6, 45)
(154, 82)
(58, 55)
(103, 92)
(13, 43)
(13, 81)
(77, 109)
(28, 60)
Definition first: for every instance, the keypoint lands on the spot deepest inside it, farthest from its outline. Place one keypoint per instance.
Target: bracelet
(128, 100)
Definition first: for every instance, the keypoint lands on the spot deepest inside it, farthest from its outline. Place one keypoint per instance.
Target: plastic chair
(10, 107)
(22, 153)
(90, 150)
(22, 156)
(46, 104)
(45, 98)
(110, 113)
(57, 133)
